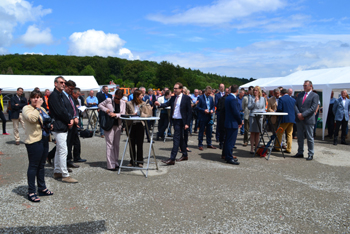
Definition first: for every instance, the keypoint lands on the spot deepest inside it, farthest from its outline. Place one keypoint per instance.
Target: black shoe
(234, 162)
(310, 157)
(80, 160)
(335, 142)
(276, 150)
(344, 143)
(298, 156)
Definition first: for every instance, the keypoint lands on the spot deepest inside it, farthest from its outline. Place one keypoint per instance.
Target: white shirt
(177, 114)
(344, 99)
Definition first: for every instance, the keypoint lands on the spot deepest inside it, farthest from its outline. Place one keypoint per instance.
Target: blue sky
(243, 38)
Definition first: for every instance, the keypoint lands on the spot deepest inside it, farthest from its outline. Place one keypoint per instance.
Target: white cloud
(13, 12)
(220, 12)
(269, 58)
(92, 42)
(34, 36)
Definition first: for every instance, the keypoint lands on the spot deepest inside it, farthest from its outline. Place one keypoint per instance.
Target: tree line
(124, 72)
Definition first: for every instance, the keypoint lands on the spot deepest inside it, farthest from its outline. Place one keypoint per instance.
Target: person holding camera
(37, 129)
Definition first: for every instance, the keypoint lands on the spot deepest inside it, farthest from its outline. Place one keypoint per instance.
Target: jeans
(36, 169)
(242, 118)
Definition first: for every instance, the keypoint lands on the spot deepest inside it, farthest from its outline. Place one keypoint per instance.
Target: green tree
(88, 71)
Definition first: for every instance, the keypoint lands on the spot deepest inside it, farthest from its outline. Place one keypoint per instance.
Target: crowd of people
(235, 111)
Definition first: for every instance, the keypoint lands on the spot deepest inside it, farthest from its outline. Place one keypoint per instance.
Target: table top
(139, 118)
(271, 113)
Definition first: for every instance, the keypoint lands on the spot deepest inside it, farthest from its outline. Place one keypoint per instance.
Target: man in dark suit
(205, 109)
(101, 96)
(221, 124)
(218, 95)
(286, 104)
(17, 103)
(181, 113)
(233, 121)
(151, 98)
(330, 117)
(341, 110)
(63, 114)
(305, 108)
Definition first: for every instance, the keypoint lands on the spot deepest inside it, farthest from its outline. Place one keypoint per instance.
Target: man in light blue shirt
(91, 100)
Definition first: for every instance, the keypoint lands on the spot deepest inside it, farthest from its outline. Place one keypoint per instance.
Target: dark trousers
(178, 139)
(204, 123)
(73, 140)
(136, 138)
(217, 133)
(330, 121)
(186, 133)
(230, 141)
(37, 153)
(162, 124)
(3, 119)
(343, 125)
(222, 135)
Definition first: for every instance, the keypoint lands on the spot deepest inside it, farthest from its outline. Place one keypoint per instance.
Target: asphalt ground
(202, 195)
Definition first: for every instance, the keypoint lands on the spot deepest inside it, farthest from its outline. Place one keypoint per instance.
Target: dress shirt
(164, 111)
(92, 99)
(71, 102)
(177, 113)
(208, 102)
(343, 101)
(194, 98)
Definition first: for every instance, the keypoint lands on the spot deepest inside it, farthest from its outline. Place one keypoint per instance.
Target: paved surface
(202, 195)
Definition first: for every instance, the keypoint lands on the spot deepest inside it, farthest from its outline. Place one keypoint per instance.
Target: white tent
(323, 79)
(10, 83)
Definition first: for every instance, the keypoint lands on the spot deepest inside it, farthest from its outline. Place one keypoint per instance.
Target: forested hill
(124, 72)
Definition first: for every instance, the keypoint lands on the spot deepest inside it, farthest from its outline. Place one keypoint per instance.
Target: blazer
(130, 110)
(286, 104)
(221, 110)
(245, 107)
(31, 118)
(340, 111)
(16, 110)
(307, 109)
(185, 108)
(101, 96)
(232, 113)
(202, 106)
(217, 97)
(60, 111)
(255, 107)
(109, 104)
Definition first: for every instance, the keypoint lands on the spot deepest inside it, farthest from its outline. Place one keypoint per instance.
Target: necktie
(304, 98)
(71, 102)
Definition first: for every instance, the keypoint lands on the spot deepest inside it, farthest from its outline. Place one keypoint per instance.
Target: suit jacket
(130, 110)
(59, 111)
(185, 108)
(109, 104)
(339, 110)
(16, 110)
(101, 96)
(286, 104)
(245, 107)
(217, 97)
(202, 106)
(307, 109)
(232, 113)
(221, 110)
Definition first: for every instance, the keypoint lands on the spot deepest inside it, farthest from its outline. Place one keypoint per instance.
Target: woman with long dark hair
(137, 131)
(37, 127)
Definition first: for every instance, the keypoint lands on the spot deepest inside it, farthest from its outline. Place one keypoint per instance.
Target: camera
(47, 122)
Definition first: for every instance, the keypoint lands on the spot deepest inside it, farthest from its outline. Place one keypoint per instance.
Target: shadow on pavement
(84, 227)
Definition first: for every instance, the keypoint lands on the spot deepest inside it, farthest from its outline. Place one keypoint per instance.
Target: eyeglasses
(62, 82)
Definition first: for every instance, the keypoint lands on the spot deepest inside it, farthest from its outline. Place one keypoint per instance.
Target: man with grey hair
(305, 108)
(290, 92)
(341, 110)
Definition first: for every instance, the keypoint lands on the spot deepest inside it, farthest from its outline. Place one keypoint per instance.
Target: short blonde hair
(185, 90)
(259, 90)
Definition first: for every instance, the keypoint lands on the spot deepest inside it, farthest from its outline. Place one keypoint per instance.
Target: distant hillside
(124, 72)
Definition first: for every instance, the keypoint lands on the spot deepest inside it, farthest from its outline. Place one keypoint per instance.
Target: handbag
(106, 122)
(146, 110)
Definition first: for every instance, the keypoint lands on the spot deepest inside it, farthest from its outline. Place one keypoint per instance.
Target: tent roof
(333, 78)
(10, 83)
